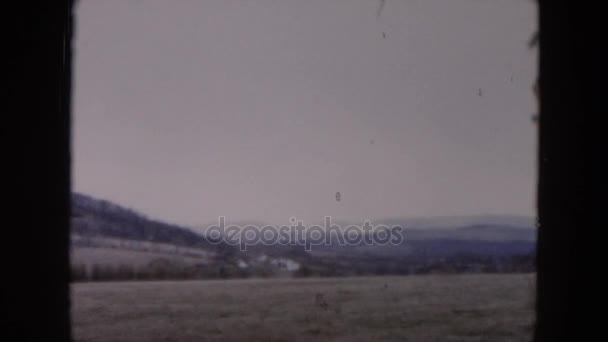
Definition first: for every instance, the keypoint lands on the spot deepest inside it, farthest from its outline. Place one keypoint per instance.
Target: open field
(405, 308)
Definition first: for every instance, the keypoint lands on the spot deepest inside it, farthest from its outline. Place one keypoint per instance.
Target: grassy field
(407, 308)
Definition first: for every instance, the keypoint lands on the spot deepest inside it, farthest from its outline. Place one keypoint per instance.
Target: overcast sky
(263, 109)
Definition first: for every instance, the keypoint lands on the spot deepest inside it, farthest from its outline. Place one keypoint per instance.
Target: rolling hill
(107, 237)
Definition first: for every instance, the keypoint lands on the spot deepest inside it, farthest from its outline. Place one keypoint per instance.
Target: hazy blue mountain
(437, 244)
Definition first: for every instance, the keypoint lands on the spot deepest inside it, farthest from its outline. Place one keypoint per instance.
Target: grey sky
(264, 109)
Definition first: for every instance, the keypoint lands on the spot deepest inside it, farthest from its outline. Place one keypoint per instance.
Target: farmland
(490, 307)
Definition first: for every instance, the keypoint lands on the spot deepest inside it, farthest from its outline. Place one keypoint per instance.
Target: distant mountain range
(103, 231)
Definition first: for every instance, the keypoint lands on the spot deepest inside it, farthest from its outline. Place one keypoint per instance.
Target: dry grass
(411, 308)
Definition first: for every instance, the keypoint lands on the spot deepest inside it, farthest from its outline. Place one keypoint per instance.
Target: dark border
(571, 174)
(36, 171)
